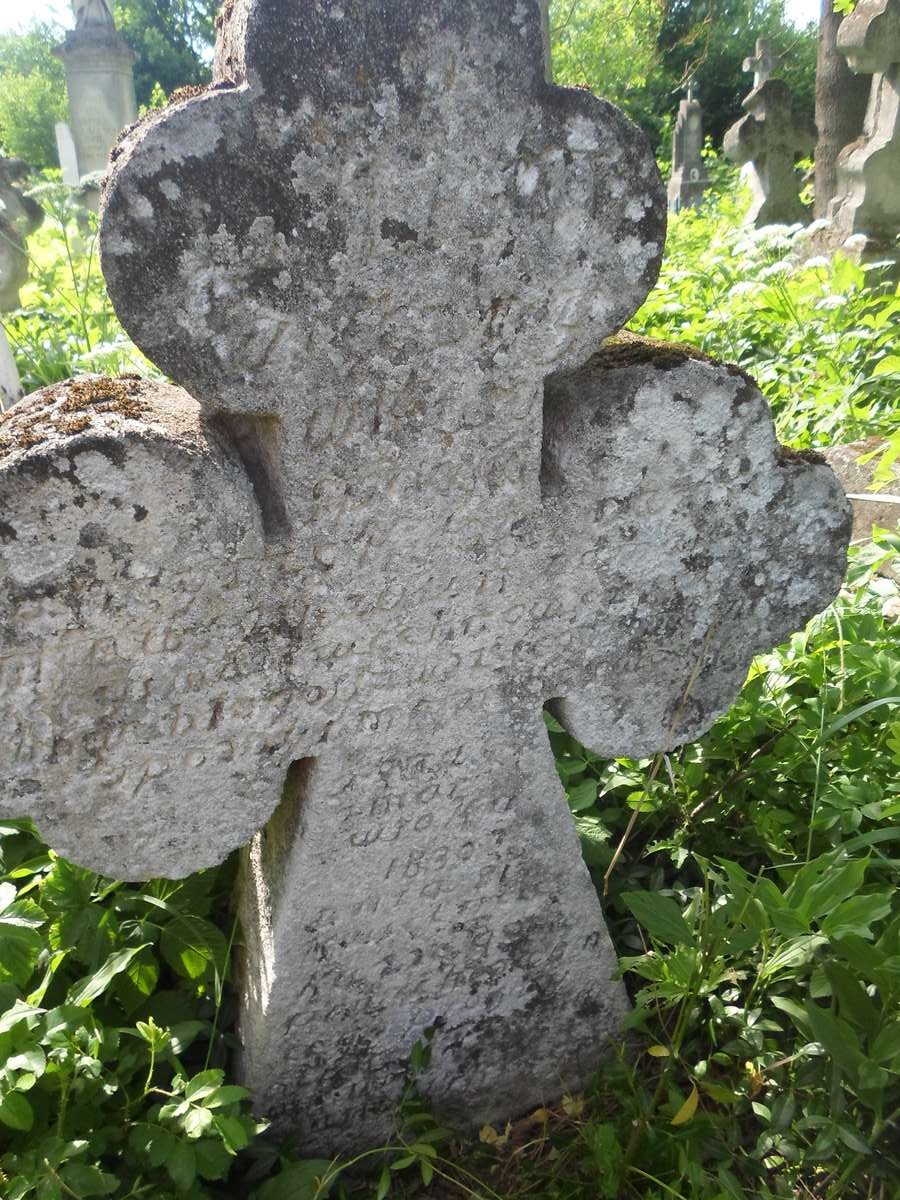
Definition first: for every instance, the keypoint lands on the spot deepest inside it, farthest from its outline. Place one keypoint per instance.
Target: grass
(753, 903)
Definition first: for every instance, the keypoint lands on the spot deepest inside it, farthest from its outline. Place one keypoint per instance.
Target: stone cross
(868, 190)
(688, 180)
(763, 64)
(319, 604)
(767, 141)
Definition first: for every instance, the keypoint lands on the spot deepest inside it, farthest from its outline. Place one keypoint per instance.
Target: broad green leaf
(582, 795)
(854, 1003)
(86, 1180)
(857, 915)
(660, 916)
(233, 1131)
(836, 1036)
(182, 1166)
(193, 947)
(300, 1181)
(885, 1048)
(95, 985)
(16, 1112)
(203, 1084)
(836, 884)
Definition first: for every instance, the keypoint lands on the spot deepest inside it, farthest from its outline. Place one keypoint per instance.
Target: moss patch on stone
(67, 409)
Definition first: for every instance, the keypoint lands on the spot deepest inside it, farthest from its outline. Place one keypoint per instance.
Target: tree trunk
(841, 99)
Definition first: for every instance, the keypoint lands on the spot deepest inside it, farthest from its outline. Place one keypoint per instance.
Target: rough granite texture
(406, 510)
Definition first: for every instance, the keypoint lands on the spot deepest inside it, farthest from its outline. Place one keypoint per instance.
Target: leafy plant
(110, 998)
(66, 325)
(819, 338)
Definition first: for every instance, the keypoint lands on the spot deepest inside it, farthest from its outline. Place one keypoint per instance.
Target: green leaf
(660, 916)
(886, 1046)
(213, 1159)
(845, 720)
(233, 1131)
(857, 915)
(836, 1036)
(230, 1094)
(193, 947)
(16, 1112)
(384, 1184)
(87, 1180)
(182, 1166)
(853, 1001)
(95, 985)
(582, 795)
(300, 1181)
(203, 1084)
(836, 884)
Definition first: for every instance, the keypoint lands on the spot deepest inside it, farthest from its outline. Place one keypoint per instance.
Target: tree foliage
(32, 94)
(640, 54)
(172, 39)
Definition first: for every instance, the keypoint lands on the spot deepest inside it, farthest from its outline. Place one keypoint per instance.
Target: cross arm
(688, 541)
(136, 631)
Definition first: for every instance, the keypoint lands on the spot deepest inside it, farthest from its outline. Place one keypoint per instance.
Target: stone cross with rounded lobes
(403, 508)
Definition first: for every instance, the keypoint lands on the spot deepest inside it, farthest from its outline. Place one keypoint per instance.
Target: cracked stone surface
(317, 601)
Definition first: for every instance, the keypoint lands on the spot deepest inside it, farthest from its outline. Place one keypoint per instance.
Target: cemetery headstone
(22, 210)
(68, 156)
(98, 64)
(767, 141)
(13, 264)
(689, 179)
(873, 504)
(867, 202)
(319, 604)
(10, 384)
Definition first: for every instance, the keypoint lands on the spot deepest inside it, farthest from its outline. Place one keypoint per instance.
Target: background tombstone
(21, 210)
(10, 385)
(68, 157)
(689, 179)
(868, 170)
(20, 215)
(100, 82)
(408, 506)
(767, 140)
(13, 264)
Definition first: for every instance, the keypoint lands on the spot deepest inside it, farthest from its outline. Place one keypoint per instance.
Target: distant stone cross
(762, 64)
(322, 609)
(768, 140)
(868, 195)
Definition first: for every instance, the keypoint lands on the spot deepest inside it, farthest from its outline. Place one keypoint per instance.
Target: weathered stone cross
(768, 139)
(330, 600)
(868, 199)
